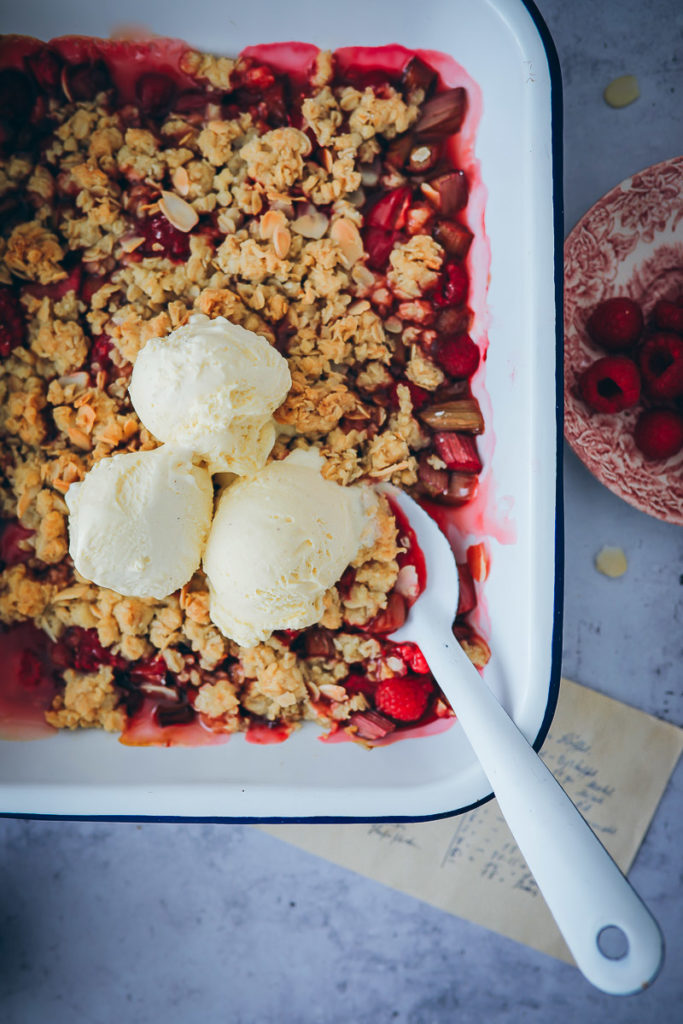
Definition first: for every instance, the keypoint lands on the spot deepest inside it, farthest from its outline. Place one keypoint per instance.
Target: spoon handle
(584, 889)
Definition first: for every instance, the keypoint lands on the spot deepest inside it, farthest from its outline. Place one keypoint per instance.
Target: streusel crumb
(287, 188)
(34, 253)
(89, 699)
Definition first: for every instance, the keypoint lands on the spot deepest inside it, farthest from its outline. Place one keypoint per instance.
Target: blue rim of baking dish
(558, 595)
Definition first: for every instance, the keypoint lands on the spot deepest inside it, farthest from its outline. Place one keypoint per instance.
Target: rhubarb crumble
(319, 208)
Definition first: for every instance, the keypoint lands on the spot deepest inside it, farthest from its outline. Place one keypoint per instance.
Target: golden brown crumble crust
(287, 255)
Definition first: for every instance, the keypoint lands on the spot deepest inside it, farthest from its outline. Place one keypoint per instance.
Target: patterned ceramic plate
(629, 243)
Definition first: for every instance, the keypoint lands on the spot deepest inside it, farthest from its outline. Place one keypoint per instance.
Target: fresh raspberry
(659, 433)
(451, 288)
(12, 326)
(404, 698)
(661, 365)
(616, 324)
(668, 316)
(610, 384)
(457, 355)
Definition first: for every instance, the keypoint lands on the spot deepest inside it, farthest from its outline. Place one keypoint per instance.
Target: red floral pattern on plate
(629, 243)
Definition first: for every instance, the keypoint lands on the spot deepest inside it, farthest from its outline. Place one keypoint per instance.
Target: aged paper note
(613, 760)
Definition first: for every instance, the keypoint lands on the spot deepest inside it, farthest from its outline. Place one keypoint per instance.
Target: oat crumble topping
(282, 247)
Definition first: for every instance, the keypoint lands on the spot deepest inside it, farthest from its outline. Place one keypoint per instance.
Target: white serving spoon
(613, 938)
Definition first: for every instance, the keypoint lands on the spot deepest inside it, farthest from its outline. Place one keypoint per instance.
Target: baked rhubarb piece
(316, 199)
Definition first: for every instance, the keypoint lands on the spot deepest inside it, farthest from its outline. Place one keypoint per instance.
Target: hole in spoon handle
(612, 942)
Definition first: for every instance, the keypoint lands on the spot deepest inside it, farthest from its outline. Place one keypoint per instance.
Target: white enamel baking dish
(505, 48)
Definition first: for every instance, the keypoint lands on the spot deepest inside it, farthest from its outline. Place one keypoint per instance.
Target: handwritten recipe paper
(614, 762)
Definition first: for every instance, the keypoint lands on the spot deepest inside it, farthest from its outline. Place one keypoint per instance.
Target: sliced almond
(369, 174)
(611, 562)
(356, 198)
(430, 193)
(71, 473)
(347, 236)
(622, 91)
(393, 325)
(179, 213)
(284, 205)
(159, 691)
(24, 503)
(181, 181)
(311, 225)
(79, 379)
(131, 244)
(422, 158)
(282, 240)
(333, 692)
(65, 83)
(112, 434)
(382, 297)
(79, 438)
(270, 221)
(328, 160)
(74, 593)
(85, 418)
(362, 276)
(356, 308)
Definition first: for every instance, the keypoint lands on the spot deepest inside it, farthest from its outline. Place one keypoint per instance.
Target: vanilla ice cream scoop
(278, 541)
(138, 522)
(212, 386)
